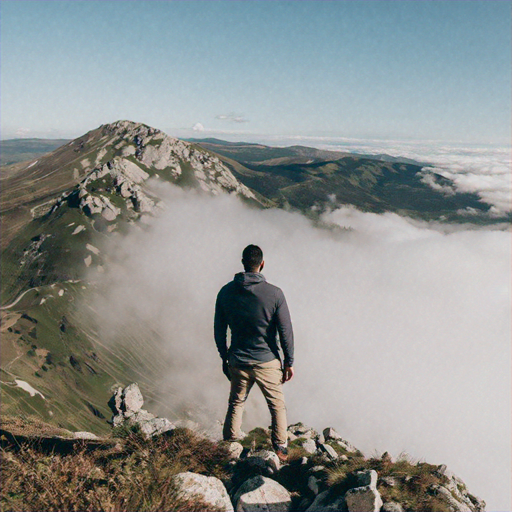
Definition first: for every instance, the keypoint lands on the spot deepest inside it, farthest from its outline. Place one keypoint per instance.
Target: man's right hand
(288, 373)
(225, 369)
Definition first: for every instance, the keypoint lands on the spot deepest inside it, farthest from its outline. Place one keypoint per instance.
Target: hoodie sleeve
(220, 327)
(284, 327)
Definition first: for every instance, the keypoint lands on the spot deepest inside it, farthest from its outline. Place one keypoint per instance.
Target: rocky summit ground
(150, 464)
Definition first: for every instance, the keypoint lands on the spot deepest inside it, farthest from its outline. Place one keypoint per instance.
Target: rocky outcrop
(130, 155)
(366, 497)
(208, 489)
(259, 482)
(126, 405)
(260, 494)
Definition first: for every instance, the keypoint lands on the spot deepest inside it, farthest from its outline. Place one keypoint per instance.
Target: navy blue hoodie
(255, 311)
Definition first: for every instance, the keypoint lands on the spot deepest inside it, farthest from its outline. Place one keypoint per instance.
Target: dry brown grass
(137, 476)
(412, 481)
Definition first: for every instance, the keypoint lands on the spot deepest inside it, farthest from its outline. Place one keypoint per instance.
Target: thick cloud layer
(402, 328)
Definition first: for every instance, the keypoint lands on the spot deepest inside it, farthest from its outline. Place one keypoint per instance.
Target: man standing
(255, 311)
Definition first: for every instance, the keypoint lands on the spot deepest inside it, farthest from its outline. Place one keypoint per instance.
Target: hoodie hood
(249, 279)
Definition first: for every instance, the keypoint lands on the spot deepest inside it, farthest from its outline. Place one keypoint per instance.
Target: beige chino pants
(269, 378)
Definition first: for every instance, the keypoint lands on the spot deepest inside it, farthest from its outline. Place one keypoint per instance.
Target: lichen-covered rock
(132, 399)
(208, 489)
(270, 458)
(261, 494)
(363, 499)
(235, 450)
(309, 445)
(327, 451)
(84, 435)
(301, 430)
(392, 506)
(331, 435)
(324, 502)
(367, 477)
(156, 426)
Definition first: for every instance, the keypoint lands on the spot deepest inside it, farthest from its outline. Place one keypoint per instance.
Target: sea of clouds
(402, 327)
(482, 169)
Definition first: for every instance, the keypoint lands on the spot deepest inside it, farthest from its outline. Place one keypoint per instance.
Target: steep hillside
(305, 178)
(56, 214)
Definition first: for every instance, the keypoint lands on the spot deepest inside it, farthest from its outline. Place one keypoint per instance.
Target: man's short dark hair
(252, 258)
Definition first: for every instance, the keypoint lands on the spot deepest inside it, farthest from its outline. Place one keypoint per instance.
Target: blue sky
(386, 69)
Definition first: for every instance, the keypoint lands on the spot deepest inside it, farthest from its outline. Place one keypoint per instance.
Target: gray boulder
(140, 417)
(309, 445)
(132, 399)
(313, 486)
(208, 489)
(235, 450)
(363, 499)
(84, 435)
(300, 430)
(392, 506)
(261, 494)
(324, 502)
(367, 477)
(327, 451)
(270, 458)
(156, 426)
(331, 435)
(454, 504)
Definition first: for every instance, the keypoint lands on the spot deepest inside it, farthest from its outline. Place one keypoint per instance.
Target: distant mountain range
(57, 209)
(13, 151)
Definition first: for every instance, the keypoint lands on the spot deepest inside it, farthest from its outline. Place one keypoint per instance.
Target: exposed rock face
(235, 450)
(325, 503)
(309, 445)
(133, 153)
(132, 399)
(208, 489)
(300, 430)
(328, 451)
(392, 506)
(261, 494)
(126, 404)
(254, 476)
(331, 435)
(363, 499)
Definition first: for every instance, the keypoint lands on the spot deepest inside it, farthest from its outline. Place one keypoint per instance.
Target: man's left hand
(288, 373)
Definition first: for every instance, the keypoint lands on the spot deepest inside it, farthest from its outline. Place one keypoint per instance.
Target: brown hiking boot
(282, 453)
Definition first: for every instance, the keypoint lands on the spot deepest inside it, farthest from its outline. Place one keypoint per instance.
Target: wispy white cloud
(22, 132)
(232, 117)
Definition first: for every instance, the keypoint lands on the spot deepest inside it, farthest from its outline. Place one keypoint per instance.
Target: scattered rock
(132, 399)
(126, 405)
(301, 430)
(261, 494)
(324, 502)
(208, 489)
(84, 435)
(327, 451)
(309, 446)
(235, 450)
(392, 506)
(313, 484)
(363, 499)
(367, 477)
